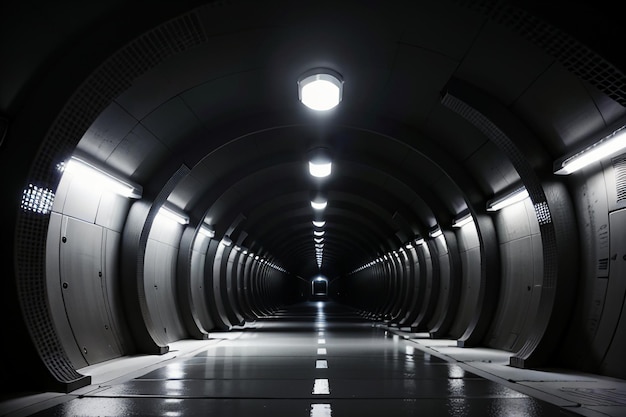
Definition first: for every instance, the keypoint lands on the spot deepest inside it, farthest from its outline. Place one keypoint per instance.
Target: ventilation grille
(619, 167)
(542, 211)
(574, 56)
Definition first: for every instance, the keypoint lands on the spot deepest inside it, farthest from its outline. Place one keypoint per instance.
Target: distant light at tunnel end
(320, 90)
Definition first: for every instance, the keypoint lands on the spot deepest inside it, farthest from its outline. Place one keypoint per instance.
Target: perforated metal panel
(619, 167)
(573, 55)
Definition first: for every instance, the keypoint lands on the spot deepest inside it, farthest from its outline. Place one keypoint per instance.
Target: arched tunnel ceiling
(227, 108)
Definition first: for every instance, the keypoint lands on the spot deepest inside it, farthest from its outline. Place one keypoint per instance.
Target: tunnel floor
(314, 359)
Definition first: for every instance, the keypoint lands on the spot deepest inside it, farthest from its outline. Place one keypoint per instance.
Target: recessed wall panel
(197, 278)
(469, 251)
(54, 290)
(159, 279)
(612, 331)
(515, 293)
(83, 285)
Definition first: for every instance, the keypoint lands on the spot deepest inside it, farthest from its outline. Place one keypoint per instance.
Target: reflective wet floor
(312, 360)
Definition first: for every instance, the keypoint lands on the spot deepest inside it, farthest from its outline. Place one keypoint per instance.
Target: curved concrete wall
(86, 254)
(520, 285)
(82, 272)
(469, 251)
(597, 329)
(83, 281)
(160, 278)
(411, 288)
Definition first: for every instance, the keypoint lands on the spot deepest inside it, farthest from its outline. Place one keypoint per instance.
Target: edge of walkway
(585, 394)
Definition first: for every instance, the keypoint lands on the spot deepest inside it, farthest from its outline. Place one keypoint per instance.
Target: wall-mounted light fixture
(419, 241)
(607, 146)
(227, 241)
(206, 230)
(97, 176)
(320, 89)
(172, 212)
(436, 232)
(507, 199)
(462, 220)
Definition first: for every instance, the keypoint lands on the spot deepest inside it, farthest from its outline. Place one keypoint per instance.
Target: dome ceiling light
(319, 204)
(320, 89)
(320, 163)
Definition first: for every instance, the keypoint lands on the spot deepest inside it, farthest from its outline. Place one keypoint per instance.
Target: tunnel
(167, 181)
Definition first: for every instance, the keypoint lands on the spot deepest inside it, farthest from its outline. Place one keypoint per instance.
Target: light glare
(320, 91)
(515, 197)
(320, 170)
(319, 205)
(607, 146)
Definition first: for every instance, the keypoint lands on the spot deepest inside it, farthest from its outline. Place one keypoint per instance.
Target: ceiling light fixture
(320, 163)
(319, 204)
(318, 232)
(609, 145)
(319, 224)
(320, 169)
(320, 89)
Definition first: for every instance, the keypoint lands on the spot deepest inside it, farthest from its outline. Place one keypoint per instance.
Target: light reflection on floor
(362, 370)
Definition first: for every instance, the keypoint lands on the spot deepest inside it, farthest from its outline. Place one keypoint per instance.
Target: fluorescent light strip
(174, 214)
(509, 199)
(462, 221)
(610, 145)
(435, 233)
(98, 177)
(206, 230)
